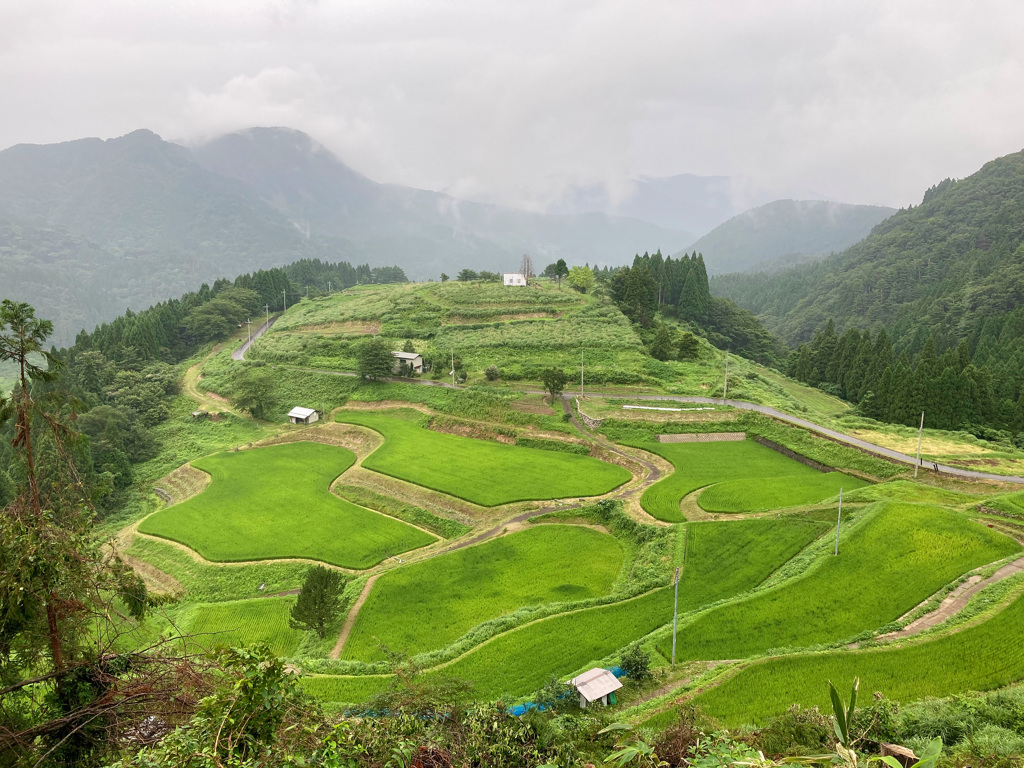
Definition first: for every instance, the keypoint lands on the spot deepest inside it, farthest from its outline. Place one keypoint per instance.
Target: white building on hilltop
(514, 278)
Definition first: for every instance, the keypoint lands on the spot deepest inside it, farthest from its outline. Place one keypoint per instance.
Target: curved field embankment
(483, 472)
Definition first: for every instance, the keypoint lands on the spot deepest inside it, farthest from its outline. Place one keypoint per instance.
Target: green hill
(785, 232)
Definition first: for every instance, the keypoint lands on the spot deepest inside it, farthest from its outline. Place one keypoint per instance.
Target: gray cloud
(864, 101)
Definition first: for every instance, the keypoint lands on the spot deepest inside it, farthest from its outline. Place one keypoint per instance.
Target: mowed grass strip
(700, 464)
(261, 620)
(986, 656)
(896, 558)
(428, 605)
(481, 471)
(275, 502)
(756, 495)
(724, 559)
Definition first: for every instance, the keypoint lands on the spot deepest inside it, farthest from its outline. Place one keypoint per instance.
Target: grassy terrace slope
(723, 560)
(897, 557)
(979, 658)
(430, 604)
(480, 471)
(700, 464)
(521, 330)
(275, 502)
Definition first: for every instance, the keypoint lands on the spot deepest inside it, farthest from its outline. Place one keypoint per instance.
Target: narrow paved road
(856, 442)
(239, 354)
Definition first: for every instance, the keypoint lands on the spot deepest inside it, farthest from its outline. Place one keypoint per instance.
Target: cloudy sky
(859, 101)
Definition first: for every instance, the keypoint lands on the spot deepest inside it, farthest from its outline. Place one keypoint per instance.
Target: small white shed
(514, 278)
(411, 359)
(596, 685)
(299, 415)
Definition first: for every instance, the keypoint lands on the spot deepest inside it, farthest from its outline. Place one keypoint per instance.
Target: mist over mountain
(684, 202)
(89, 228)
(785, 232)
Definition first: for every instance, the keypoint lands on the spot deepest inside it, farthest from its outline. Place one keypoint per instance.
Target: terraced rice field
(897, 557)
(724, 559)
(275, 502)
(481, 471)
(700, 464)
(756, 495)
(243, 622)
(428, 605)
(978, 658)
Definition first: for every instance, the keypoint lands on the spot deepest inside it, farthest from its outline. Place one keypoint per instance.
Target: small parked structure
(597, 685)
(299, 415)
(200, 415)
(514, 278)
(413, 360)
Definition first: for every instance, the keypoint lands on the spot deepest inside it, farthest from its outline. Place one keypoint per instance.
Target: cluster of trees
(333, 276)
(679, 288)
(952, 391)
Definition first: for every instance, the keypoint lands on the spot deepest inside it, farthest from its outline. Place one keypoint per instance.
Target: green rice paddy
(275, 502)
(243, 622)
(701, 464)
(982, 657)
(428, 605)
(724, 559)
(900, 555)
(480, 471)
(757, 495)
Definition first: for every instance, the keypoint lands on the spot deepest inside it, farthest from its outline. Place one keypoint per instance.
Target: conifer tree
(319, 601)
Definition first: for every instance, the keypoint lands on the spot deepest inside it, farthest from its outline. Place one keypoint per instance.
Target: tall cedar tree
(319, 601)
(375, 359)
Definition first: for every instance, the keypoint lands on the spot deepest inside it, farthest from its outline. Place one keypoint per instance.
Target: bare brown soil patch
(382, 405)
(157, 582)
(459, 320)
(534, 404)
(348, 327)
(183, 483)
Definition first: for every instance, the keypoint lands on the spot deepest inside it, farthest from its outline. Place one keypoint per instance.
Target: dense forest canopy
(942, 284)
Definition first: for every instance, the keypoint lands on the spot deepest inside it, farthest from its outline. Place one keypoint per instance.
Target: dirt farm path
(350, 620)
(955, 601)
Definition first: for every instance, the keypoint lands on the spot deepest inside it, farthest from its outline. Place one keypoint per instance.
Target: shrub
(797, 732)
(492, 373)
(636, 663)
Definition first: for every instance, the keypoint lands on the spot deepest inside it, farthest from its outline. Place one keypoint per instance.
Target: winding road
(831, 434)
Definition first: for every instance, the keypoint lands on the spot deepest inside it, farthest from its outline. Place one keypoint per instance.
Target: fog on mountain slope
(89, 228)
(786, 231)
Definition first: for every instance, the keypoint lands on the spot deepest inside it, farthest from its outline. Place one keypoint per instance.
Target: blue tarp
(521, 709)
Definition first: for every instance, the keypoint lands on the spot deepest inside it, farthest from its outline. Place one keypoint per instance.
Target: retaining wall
(704, 437)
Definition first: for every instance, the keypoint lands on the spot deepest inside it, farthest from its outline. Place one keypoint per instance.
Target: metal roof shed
(596, 685)
(299, 415)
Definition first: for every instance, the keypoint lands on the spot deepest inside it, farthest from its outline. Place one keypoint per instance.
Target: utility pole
(839, 519)
(249, 325)
(581, 373)
(675, 619)
(284, 300)
(328, 286)
(267, 307)
(453, 368)
(725, 387)
(920, 434)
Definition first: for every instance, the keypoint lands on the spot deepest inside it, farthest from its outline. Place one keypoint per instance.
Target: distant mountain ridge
(686, 202)
(91, 227)
(952, 268)
(785, 232)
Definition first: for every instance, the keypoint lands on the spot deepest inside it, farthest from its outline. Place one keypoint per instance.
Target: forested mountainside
(944, 281)
(945, 267)
(89, 228)
(786, 232)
